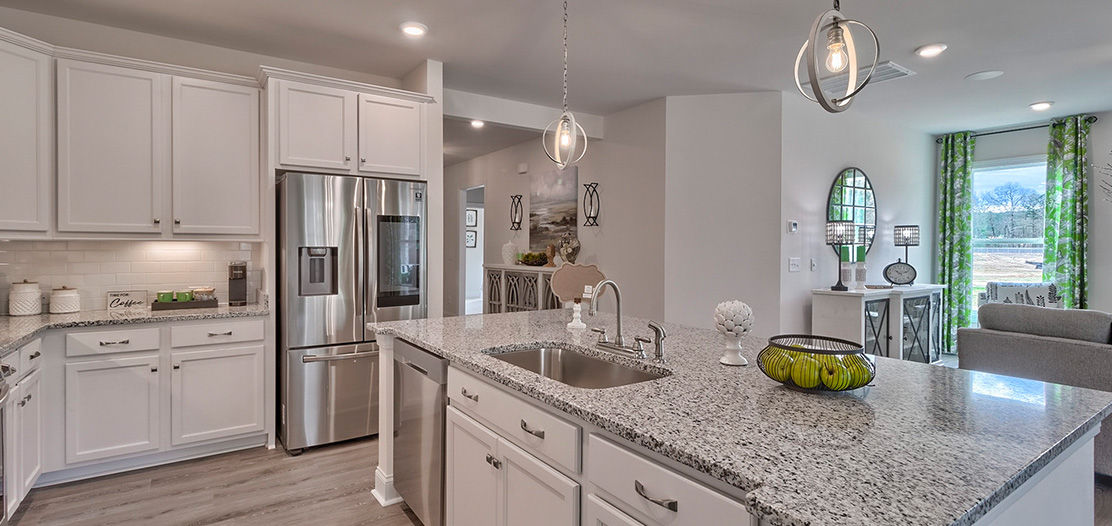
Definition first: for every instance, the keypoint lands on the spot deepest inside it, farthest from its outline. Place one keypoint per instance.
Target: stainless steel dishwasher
(420, 395)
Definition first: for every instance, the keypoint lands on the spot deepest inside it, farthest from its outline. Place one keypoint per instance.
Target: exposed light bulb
(565, 139)
(836, 59)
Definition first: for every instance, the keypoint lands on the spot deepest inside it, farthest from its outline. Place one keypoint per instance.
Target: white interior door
(26, 138)
(470, 478)
(111, 407)
(216, 393)
(215, 157)
(390, 135)
(316, 126)
(113, 142)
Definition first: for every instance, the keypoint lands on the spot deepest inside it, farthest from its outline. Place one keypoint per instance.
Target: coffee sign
(126, 299)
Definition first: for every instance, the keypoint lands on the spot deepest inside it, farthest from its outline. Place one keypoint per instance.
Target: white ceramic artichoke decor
(733, 319)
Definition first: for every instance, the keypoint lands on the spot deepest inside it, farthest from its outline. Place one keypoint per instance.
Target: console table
(514, 288)
(909, 315)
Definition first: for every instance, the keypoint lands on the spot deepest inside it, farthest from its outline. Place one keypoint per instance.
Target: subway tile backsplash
(95, 267)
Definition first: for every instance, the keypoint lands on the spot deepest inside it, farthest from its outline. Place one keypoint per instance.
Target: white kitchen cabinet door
(215, 182)
(113, 148)
(111, 407)
(11, 453)
(601, 513)
(532, 492)
(216, 393)
(391, 138)
(29, 410)
(26, 138)
(470, 477)
(316, 126)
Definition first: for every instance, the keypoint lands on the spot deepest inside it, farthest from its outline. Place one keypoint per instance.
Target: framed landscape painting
(553, 207)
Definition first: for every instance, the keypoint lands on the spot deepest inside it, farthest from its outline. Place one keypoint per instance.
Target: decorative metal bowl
(816, 363)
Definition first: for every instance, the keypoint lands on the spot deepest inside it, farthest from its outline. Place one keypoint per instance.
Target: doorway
(473, 220)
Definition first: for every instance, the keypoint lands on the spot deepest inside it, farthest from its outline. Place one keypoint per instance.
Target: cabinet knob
(362, 159)
(157, 221)
(177, 221)
(347, 157)
(154, 369)
(177, 366)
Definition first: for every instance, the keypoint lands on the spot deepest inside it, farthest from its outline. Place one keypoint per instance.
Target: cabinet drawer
(213, 333)
(108, 342)
(30, 357)
(633, 480)
(539, 432)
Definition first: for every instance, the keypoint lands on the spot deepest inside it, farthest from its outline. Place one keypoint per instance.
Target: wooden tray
(177, 305)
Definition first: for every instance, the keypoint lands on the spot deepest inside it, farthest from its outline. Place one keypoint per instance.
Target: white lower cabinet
(216, 393)
(23, 424)
(111, 407)
(601, 513)
(490, 481)
(11, 454)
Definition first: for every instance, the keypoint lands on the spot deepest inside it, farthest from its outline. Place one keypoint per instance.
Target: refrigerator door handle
(370, 276)
(310, 358)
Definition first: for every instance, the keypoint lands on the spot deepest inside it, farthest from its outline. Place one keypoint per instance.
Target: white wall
(104, 39)
(817, 146)
(474, 257)
(628, 244)
(428, 78)
(722, 207)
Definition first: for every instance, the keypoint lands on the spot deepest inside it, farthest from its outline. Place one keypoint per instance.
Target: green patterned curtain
(1067, 210)
(955, 233)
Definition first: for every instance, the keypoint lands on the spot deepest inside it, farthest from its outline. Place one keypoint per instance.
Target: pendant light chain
(837, 5)
(565, 56)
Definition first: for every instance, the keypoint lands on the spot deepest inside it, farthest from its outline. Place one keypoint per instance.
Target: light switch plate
(793, 264)
(814, 265)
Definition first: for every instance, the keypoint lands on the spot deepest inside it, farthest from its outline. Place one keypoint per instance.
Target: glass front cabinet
(901, 322)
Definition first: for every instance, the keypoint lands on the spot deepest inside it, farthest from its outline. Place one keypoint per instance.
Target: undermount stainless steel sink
(575, 369)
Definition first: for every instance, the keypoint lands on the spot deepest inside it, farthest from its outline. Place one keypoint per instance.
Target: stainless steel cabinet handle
(215, 334)
(310, 358)
(539, 433)
(669, 504)
(493, 461)
(34, 355)
(27, 398)
(23, 402)
(118, 342)
(418, 368)
(469, 396)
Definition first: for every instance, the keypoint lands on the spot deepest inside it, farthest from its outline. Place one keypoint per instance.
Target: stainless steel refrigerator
(350, 252)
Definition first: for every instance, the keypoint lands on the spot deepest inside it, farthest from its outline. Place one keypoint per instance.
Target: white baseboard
(384, 490)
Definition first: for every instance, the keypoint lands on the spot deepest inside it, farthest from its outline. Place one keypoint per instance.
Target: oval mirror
(852, 199)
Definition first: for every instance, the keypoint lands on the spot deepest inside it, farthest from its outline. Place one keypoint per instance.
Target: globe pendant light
(564, 140)
(830, 52)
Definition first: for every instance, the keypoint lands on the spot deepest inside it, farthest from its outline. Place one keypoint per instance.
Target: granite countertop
(923, 445)
(15, 331)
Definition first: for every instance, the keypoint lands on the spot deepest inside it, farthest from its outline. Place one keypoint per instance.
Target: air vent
(885, 71)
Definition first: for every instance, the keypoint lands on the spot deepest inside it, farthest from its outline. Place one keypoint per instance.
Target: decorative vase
(733, 319)
(509, 253)
(569, 248)
(550, 251)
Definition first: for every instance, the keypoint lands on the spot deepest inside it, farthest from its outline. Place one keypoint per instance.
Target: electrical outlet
(793, 264)
(814, 265)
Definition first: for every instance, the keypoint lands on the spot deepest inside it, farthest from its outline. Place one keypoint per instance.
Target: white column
(384, 490)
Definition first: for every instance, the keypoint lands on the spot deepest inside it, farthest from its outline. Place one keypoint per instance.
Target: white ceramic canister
(25, 299)
(64, 300)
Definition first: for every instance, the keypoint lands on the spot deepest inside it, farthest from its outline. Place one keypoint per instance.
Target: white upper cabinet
(26, 138)
(391, 138)
(215, 182)
(113, 126)
(316, 126)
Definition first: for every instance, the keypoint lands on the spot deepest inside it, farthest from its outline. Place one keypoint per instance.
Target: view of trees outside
(1008, 215)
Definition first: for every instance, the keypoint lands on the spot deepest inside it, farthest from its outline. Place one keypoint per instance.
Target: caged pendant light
(564, 140)
(830, 52)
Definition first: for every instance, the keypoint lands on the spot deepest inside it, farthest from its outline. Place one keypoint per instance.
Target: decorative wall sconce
(516, 211)
(591, 204)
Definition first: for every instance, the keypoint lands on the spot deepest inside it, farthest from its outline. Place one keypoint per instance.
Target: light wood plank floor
(329, 486)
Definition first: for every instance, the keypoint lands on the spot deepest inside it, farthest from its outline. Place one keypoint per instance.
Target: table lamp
(840, 234)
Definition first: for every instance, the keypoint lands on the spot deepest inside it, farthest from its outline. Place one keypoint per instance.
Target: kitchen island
(922, 445)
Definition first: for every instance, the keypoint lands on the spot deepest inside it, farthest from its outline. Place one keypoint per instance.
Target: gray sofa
(1071, 347)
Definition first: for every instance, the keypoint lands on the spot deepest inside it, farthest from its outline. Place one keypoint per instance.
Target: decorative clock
(900, 273)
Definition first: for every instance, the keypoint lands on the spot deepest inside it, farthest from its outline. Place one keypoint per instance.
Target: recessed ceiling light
(414, 29)
(984, 75)
(930, 50)
(1042, 105)
(477, 123)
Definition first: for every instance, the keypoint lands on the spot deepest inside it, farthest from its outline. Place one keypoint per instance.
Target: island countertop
(15, 331)
(922, 445)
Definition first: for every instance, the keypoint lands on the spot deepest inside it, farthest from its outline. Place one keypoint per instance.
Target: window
(1009, 202)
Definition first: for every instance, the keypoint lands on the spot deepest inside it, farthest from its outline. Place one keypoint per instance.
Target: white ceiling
(627, 51)
(462, 142)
